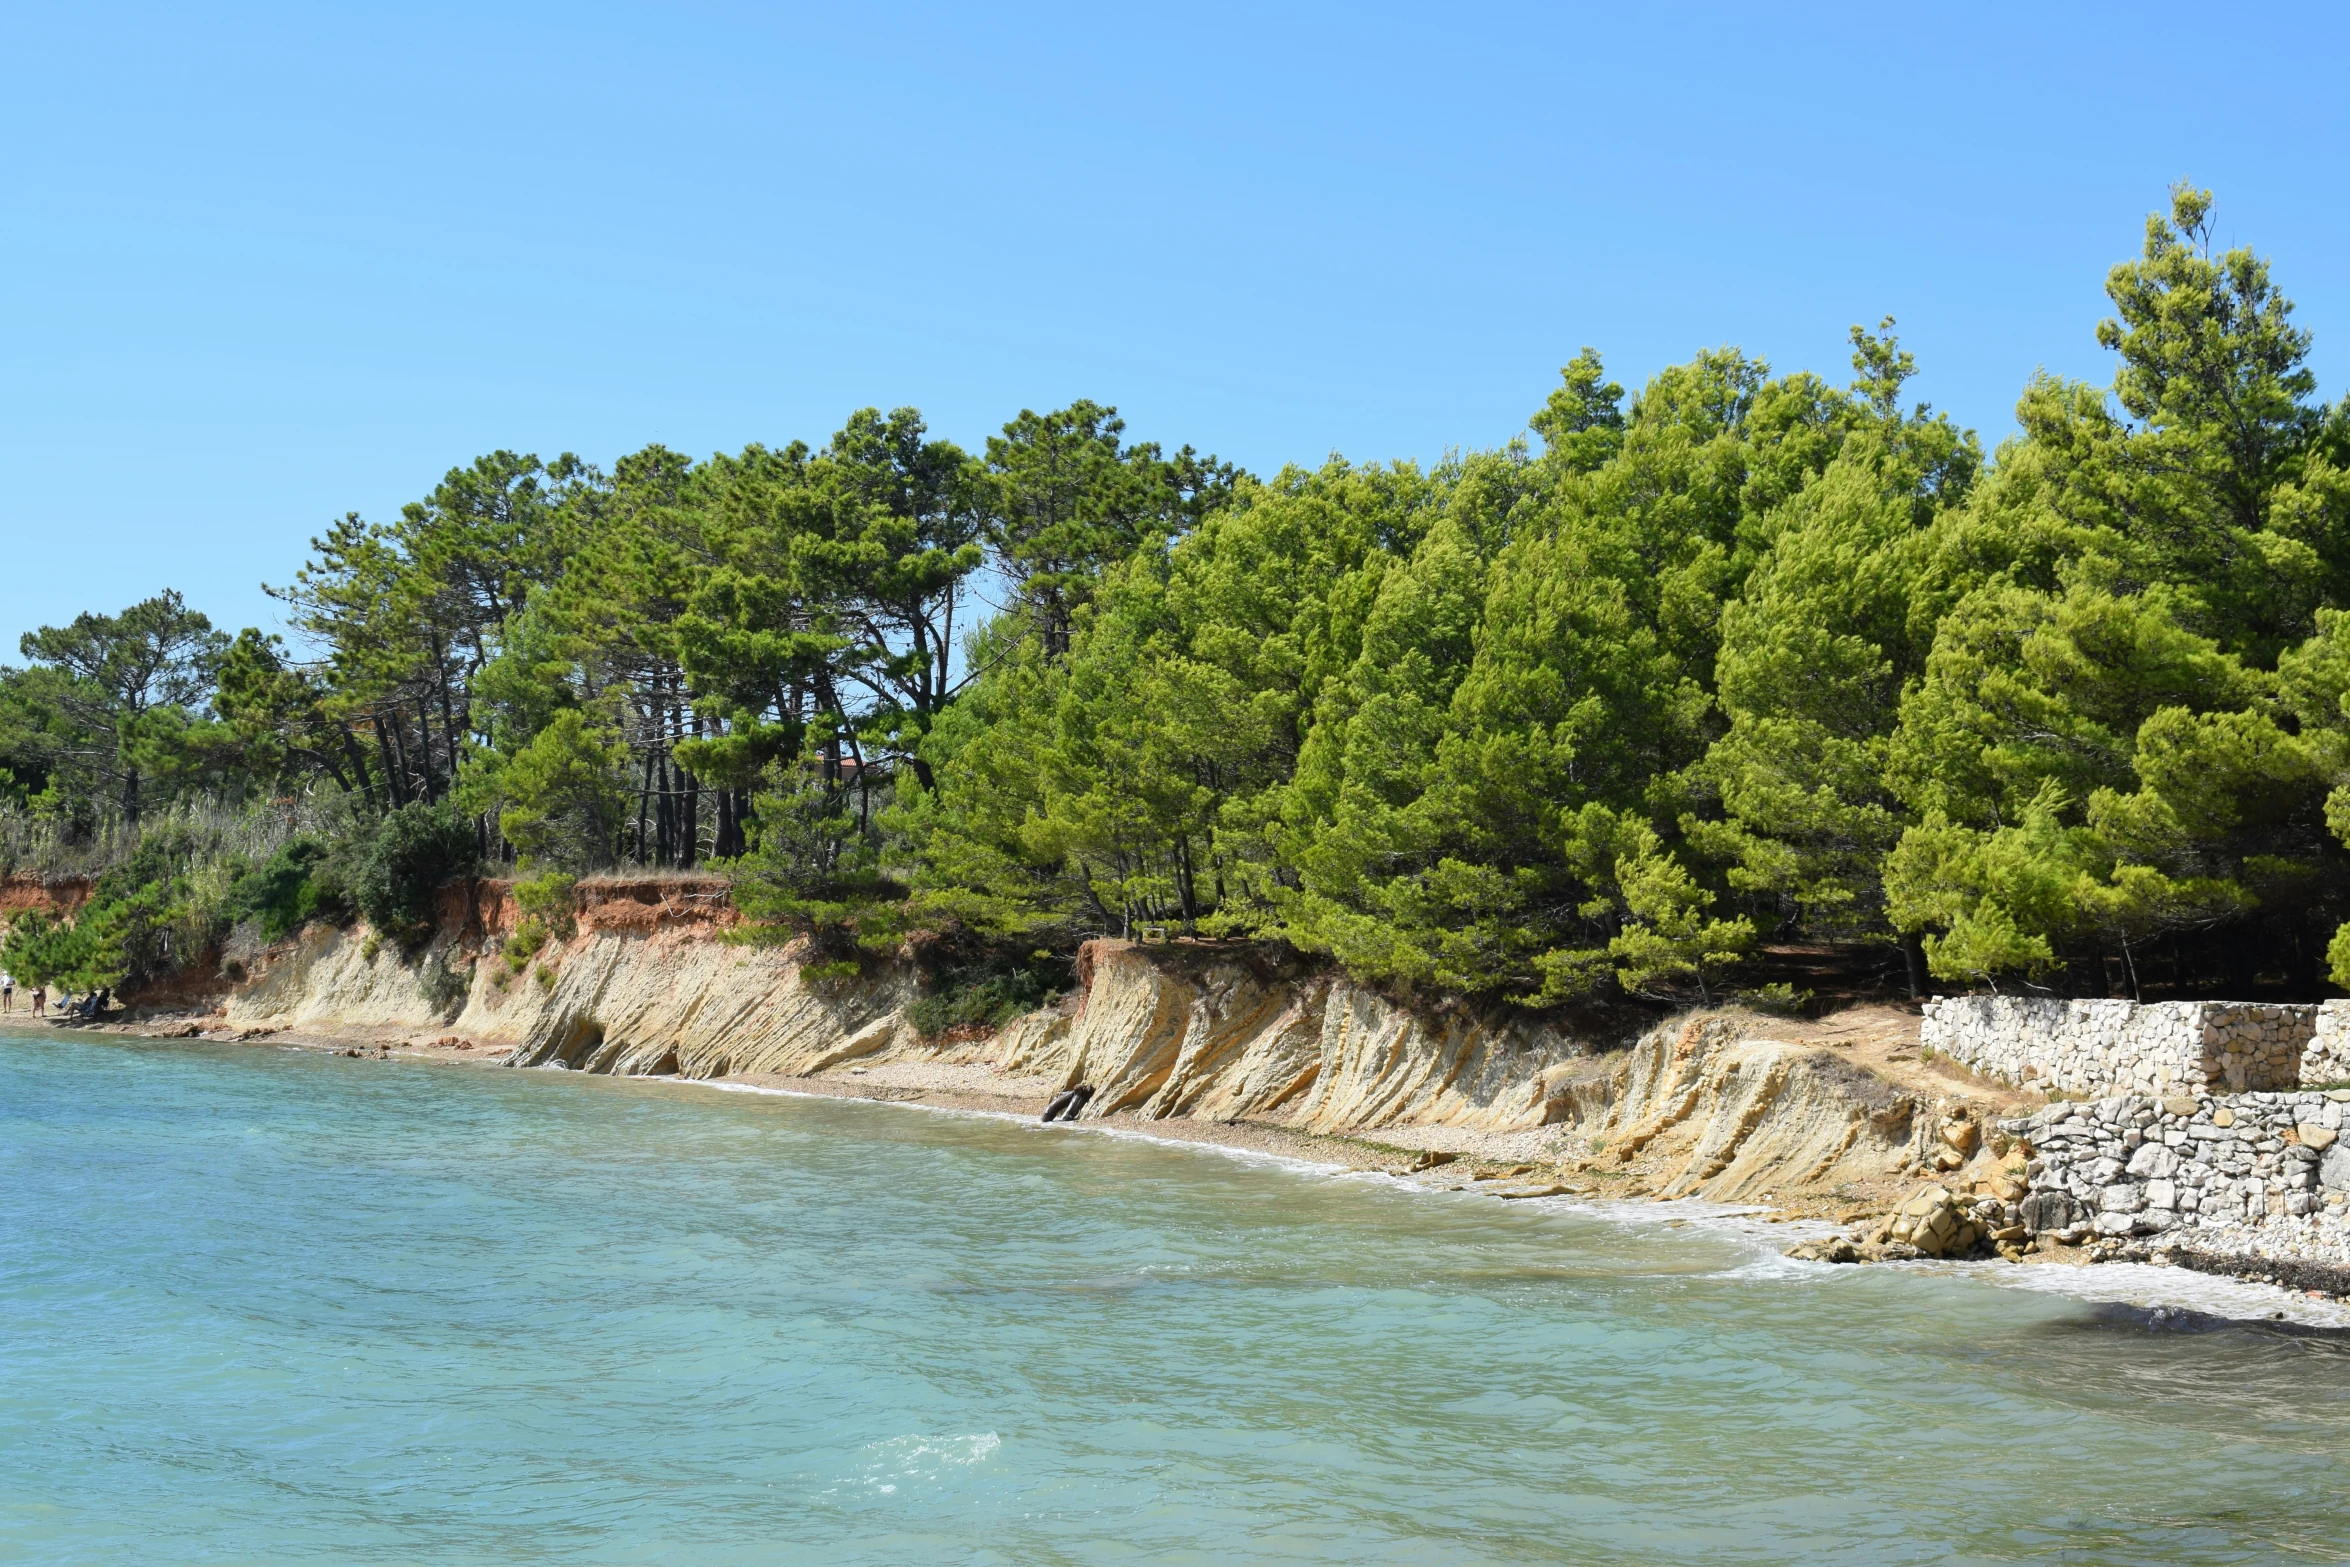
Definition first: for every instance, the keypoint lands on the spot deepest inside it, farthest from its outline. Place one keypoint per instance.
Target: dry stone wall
(2326, 1062)
(2109, 1047)
(2251, 1174)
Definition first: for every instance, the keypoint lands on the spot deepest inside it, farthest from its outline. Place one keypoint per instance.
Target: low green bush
(520, 947)
(988, 993)
(551, 899)
(418, 848)
(304, 880)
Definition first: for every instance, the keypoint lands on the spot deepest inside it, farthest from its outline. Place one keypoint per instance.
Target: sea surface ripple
(263, 1306)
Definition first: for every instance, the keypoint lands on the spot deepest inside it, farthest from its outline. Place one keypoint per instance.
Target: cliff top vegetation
(1740, 659)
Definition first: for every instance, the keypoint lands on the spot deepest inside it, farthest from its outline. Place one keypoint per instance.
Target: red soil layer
(485, 909)
(32, 895)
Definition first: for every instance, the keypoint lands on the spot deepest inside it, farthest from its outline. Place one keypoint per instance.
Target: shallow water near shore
(263, 1306)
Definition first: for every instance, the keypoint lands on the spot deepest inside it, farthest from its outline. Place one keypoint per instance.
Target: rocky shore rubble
(2252, 1186)
(1936, 1222)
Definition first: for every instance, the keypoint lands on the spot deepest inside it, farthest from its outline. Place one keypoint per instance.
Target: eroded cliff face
(1706, 1105)
(1714, 1109)
(646, 987)
(1701, 1105)
(52, 897)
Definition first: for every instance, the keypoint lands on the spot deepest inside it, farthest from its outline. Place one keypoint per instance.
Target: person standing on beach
(7, 991)
(40, 1000)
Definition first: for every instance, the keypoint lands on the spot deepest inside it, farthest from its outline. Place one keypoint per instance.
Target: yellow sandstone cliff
(1724, 1106)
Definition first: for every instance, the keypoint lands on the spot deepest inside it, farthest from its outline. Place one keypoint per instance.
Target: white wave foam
(2127, 1284)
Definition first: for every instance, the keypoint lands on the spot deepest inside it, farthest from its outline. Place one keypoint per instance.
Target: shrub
(291, 889)
(1781, 998)
(811, 872)
(528, 937)
(417, 849)
(988, 993)
(549, 899)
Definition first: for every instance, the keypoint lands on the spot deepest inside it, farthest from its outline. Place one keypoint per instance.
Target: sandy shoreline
(1543, 1167)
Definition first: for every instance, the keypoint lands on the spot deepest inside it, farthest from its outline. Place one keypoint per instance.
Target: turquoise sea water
(262, 1306)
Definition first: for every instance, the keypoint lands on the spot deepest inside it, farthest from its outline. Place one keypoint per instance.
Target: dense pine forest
(1682, 680)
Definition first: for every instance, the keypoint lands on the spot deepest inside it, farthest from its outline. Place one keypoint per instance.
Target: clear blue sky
(263, 265)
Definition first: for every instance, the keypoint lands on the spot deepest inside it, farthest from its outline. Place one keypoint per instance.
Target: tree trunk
(1183, 884)
(665, 819)
(1913, 960)
(383, 746)
(2307, 955)
(432, 781)
(397, 750)
(448, 716)
(358, 761)
(690, 844)
(644, 800)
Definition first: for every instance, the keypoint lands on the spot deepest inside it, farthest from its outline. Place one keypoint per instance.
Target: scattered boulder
(2045, 1212)
(1834, 1248)
(1937, 1224)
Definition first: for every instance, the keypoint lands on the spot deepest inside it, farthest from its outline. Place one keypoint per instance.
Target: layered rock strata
(1708, 1106)
(629, 1001)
